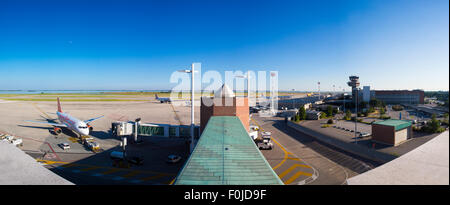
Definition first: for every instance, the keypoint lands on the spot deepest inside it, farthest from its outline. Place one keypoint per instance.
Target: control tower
(354, 83)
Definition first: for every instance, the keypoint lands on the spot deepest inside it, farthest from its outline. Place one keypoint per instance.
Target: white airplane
(78, 126)
(163, 100)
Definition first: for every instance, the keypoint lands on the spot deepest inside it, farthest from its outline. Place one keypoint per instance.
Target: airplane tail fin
(156, 96)
(59, 105)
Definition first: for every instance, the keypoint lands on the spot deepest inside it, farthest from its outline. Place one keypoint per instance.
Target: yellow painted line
(287, 171)
(296, 175)
(131, 174)
(73, 139)
(50, 162)
(34, 104)
(176, 114)
(110, 171)
(290, 169)
(153, 177)
(285, 152)
(294, 158)
(171, 182)
(90, 168)
(69, 165)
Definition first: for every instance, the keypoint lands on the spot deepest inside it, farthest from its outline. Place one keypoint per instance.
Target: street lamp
(192, 71)
(248, 81)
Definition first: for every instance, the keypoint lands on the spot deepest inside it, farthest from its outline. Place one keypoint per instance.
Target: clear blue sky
(390, 44)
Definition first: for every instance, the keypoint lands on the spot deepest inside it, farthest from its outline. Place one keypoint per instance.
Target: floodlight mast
(192, 71)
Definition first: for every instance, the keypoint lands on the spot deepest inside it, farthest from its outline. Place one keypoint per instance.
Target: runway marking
(51, 162)
(110, 171)
(73, 139)
(131, 174)
(290, 169)
(34, 104)
(285, 152)
(286, 157)
(176, 114)
(69, 165)
(90, 168)
(152, 177)
(169, 182)
(296, 175)
(294, 158)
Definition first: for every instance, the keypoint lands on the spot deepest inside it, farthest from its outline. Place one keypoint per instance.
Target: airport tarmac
(40, 142)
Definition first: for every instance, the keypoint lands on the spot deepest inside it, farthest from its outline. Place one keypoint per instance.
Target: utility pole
(192, 71)
(318, 85)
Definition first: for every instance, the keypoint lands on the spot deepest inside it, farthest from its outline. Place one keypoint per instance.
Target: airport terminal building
(400, 96)
(392, 96)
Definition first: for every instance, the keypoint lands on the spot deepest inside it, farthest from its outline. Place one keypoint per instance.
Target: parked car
(173, 159)
(64, 146)
(364, 134)
(17, 142)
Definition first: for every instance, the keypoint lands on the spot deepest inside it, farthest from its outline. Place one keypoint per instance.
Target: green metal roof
(398, 124)
(225, 154)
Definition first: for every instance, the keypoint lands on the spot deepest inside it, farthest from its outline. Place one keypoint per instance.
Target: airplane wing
(90, 120)
(48, 123)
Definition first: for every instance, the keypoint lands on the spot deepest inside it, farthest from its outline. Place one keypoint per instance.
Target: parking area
(349, 127)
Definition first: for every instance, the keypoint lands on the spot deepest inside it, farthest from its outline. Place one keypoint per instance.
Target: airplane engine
(57, 130)
(90, 128)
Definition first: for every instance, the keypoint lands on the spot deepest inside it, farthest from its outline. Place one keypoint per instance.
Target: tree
(382, 111)
(329, 111)
(302, 113)
(297, 118)
(434, 125)
(323, 115)
(348, 115)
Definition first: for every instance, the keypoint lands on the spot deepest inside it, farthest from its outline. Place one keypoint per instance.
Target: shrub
(323, 115)
(397, 107)
(385, 117)
(348, 115)
(302, 113)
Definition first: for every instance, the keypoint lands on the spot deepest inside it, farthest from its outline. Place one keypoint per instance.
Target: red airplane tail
(59, 105)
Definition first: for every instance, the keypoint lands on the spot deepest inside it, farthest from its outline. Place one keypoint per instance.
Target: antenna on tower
(318, 85)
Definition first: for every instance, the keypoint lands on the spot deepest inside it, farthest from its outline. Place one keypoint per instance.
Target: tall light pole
(248, 81)
(343, 90)
(354, 83)
(192, 71)
(318, 85)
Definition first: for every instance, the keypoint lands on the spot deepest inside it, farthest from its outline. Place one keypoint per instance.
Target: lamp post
(248, 82)
(343, 90)
(192, 71)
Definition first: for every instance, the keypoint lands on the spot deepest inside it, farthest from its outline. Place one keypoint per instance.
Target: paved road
(327, 163)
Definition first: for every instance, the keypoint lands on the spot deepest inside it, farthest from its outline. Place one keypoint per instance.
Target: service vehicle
(64, 145)
(173, 158)
(265, 143)
(17, 142)
(364, 134)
